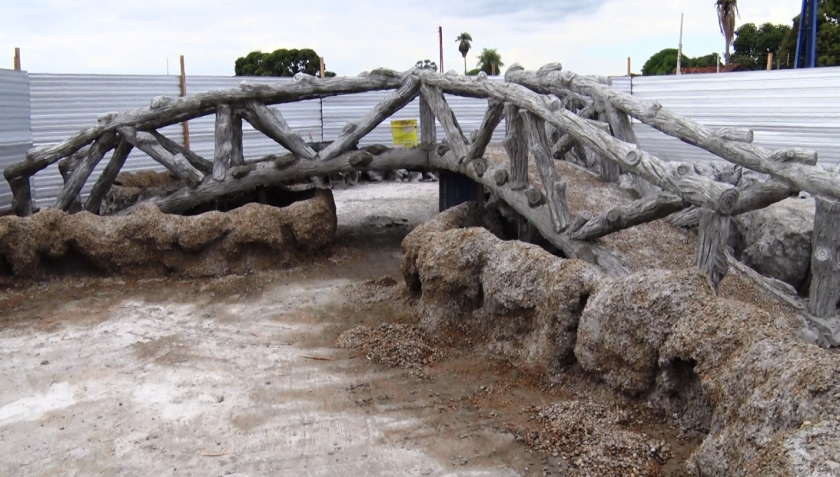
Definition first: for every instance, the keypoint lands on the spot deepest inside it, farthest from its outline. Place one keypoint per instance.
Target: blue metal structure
(808, 33)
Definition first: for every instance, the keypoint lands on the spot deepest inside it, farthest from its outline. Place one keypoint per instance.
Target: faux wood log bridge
(550, 114)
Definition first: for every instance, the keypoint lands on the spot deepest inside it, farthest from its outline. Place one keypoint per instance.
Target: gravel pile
(594, 439)
(378, 290)
(405, 346)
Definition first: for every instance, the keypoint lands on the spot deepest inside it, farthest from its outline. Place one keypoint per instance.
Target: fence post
(17, 59)
(825, 259)
(769, 61)
(184, 93)
(322, 68)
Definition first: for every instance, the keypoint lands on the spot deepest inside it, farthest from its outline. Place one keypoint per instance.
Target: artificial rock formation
(734, 371)
(516, 297)
(149, 242)
(776, 241)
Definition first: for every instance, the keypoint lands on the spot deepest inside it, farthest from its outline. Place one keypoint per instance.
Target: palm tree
(726, 11)
(464, 47)
(490, 61)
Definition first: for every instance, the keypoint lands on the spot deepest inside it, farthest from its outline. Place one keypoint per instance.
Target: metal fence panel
(63, 105)
(785, 108)
(15, 134)
(303, 116)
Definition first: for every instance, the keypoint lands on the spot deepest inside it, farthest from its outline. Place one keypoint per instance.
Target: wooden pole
(322, 68)
(769, 61)
(628, 67)
(17, 59)
(184, 93)
(440, 34)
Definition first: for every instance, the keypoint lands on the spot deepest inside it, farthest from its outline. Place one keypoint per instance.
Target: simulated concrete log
(735, 134)
(196, 105)
(173, 147)
(66, 167)
(555, 187)
(224, 142)
(539, 216)
(711, 251)
(428, 128)
(83, 170)
(386, 108)
(825, 260)
(566, 143)
(109, 175)
(178, 164)
(639, 212)
(267, 173)
(271, 123)
(693, 188)
(492, 118)
(446, 118)
(237, 157)
(516, 146)
(754, 197)
(21, 196)
(796, 175)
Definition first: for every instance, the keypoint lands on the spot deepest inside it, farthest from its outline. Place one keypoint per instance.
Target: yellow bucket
(404, 132)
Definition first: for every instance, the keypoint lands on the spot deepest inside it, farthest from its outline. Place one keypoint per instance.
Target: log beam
(287, 168)
(188, 107)
(109, 175)
(711, 250)
(173, 147)
(83, 170)
(387, 107)
(693, 188)
(177, 163)
(224, 142)
(21, 196)
(555, 187)
(516, 146)
(825, 259)
(446, 118)
(639, 212)
(428, 128)
(539, 216)
(796, 175)
(492, 118)
(271, 123)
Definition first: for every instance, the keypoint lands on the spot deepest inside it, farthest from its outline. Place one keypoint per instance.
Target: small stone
(220, 399)
(44, 362)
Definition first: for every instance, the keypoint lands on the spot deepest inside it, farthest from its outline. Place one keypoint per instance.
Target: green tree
(280, 62)
(828, 36)
(426, 65)
(752, 44)
(464, 46)
(490, 61)
(726, 11)
(663, 63)
(473, 72)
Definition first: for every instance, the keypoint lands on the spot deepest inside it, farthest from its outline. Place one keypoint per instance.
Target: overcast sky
(137, 37)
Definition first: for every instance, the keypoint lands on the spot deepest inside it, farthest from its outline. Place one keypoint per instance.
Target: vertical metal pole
(679, 51)
(185, 124)
(803, 18)
(812, 45)
(17, 59)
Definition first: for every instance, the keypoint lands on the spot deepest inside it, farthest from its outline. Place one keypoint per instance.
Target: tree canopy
(488, 58)
(828, 36)
(426, 65)
(665, 62)
(726, 12)
(280, 62)
(752, 44)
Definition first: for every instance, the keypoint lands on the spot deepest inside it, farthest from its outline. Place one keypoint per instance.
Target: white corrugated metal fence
(785, 108)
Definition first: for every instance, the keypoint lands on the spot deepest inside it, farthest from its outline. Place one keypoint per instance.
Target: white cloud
(589, 36)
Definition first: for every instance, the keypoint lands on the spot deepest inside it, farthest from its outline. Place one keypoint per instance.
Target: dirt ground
(243, 375)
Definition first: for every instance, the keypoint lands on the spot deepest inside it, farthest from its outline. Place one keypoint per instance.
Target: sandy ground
(240, 375)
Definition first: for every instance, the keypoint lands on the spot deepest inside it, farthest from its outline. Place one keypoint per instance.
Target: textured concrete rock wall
(149, 242)
(768, 402)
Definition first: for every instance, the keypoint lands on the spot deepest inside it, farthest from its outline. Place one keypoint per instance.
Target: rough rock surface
(468, 214)
(152, 243)
(623, 327)
(737, 372)
(521, 300)
(776, 241)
